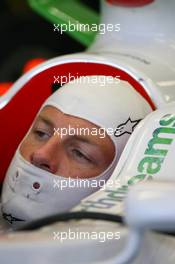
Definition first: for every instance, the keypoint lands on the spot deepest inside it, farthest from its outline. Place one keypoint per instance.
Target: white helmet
(114, 106)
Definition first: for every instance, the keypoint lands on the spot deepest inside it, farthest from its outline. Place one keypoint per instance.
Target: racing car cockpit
(130, 213)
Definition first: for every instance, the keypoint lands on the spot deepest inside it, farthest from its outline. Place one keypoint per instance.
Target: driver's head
(67, 145)
(79, 133)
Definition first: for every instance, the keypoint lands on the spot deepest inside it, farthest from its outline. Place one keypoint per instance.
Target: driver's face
(76, 156)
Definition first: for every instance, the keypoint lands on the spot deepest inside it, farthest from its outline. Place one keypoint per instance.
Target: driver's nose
(46, 157)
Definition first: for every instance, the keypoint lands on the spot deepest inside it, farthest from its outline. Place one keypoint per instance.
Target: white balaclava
(30, 192)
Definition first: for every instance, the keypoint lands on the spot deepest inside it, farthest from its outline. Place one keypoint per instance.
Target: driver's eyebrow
(46, 120)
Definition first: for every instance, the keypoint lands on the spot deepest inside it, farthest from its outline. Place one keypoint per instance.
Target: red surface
(130, 3)
(4, 87)
(17, 116)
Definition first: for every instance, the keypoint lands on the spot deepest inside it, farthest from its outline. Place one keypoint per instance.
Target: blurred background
(28, 39)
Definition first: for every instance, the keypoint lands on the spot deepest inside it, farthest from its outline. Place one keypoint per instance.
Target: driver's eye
(41, 134)
(77, 154)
